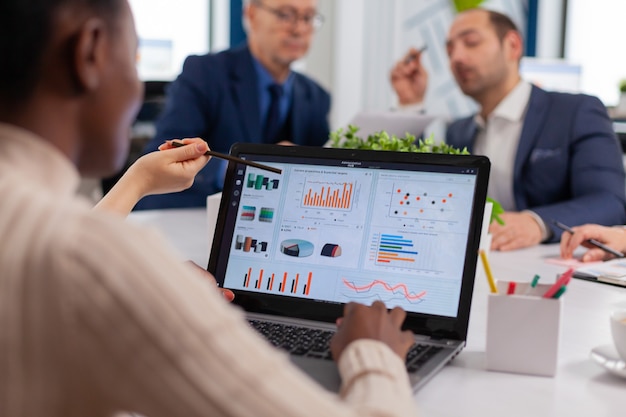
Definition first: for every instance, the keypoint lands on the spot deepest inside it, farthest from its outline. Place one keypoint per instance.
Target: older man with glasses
(246, 94)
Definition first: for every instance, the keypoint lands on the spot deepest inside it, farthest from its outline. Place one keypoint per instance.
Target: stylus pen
(414, 55)
(233, 158)
(590, 241)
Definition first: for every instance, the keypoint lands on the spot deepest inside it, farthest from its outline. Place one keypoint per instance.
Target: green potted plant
(382, 141)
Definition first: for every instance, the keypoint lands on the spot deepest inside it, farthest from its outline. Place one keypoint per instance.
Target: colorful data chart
(328, 195)
(266, 215)
(331, 250)
(297, 248)
(248, 244)
(395, 250)
(285, 282)
(419, 202)
(248, 213)
(261, 182)
(381, 290)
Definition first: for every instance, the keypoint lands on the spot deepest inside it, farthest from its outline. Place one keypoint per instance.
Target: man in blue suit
(554, 156)
(246, 94)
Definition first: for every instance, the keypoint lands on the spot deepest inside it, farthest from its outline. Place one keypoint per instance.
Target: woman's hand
(374, 322)
(171, 169)
(206, 275)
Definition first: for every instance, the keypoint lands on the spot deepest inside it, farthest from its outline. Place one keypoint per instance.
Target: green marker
(560, 292)
(533, 284)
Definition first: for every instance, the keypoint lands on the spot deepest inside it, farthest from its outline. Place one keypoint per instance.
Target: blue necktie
(272, 122)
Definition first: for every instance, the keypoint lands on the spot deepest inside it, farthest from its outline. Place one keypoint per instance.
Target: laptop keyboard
(315, 343)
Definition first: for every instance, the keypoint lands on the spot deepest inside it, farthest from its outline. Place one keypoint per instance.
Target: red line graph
(408, 295)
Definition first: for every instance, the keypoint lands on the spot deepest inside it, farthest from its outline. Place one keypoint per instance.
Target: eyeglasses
(290, 17)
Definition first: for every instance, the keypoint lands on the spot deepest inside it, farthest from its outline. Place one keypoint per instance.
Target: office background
(351, 54)
(361, 39)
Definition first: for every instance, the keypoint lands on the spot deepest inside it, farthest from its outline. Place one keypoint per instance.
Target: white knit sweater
(97, 317)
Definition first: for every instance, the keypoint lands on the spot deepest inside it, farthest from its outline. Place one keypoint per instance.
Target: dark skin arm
(204, 274)
(371, 322)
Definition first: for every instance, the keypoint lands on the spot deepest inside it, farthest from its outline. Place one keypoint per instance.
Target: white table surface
(465, 388)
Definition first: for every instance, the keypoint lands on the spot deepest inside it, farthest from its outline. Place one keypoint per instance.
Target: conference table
(580, 387)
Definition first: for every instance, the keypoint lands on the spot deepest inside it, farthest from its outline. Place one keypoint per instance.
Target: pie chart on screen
(331, 250)
(297, 248)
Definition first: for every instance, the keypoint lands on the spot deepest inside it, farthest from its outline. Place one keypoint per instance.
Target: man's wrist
(546, 232)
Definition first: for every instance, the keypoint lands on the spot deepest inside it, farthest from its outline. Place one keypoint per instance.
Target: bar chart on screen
(328, 195)
(335, 195)
(411, 251)
(282, 282)
(395, 249)
(261, 182)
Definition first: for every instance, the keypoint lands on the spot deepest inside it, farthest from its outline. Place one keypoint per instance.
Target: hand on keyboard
(372, 322)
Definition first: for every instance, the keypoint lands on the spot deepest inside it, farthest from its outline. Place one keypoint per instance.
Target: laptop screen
(343, 225)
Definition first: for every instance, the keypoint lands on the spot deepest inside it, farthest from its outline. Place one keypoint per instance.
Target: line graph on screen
(377, 289)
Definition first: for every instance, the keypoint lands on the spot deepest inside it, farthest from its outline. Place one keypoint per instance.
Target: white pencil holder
(523, 331)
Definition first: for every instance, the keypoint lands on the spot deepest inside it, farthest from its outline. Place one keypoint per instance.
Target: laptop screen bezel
(438, 327)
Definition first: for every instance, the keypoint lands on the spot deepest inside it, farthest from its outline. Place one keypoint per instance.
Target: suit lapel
(463, 134)
(245, 94)
(472, 131)
(533, 123)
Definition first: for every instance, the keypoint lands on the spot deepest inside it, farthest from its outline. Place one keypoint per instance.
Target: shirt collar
(512, 107)
(265, 79)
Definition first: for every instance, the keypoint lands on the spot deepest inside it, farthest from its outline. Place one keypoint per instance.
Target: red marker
(511, 289)
(561, 282)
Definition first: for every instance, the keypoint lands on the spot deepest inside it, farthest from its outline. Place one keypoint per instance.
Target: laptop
(341, 225)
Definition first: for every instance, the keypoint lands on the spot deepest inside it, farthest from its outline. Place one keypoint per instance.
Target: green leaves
(496, 211)
(382, 141)
(462, 5)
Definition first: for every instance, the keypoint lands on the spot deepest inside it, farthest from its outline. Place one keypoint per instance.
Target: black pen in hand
(413, 56)
(231, 158)
(593, 242)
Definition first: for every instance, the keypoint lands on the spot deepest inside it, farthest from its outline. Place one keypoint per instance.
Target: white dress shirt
(498, 138)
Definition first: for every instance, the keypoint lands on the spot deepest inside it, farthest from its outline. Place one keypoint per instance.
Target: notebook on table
(611, 272)
(342, 225)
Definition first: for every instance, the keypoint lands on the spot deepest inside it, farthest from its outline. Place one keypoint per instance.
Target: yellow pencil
(492, 283)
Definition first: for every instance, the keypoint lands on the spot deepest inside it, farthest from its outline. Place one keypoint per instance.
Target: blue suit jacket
(216, 98)
(568, 166)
